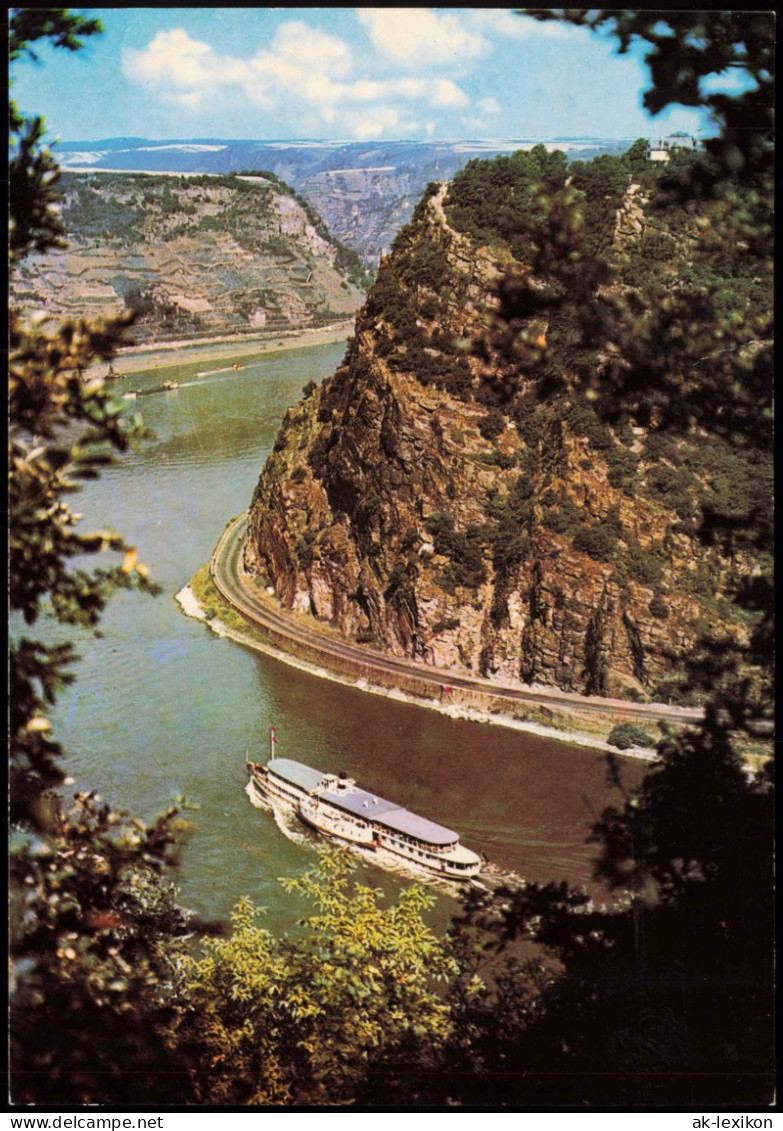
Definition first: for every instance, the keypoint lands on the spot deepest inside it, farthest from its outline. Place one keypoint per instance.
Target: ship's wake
(283, 815)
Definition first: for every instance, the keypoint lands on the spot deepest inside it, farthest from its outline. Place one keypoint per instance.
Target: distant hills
(365, 191)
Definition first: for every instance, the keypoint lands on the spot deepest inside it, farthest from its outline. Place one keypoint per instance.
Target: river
(162, 707)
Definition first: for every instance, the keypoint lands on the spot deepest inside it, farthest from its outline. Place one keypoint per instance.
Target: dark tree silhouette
(89, 897)
(664, 999)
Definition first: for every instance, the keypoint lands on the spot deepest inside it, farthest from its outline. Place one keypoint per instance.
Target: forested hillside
(193, 256)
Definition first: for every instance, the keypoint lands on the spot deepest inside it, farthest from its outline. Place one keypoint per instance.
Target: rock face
(531, 547)
(195, 255)
(365, 208)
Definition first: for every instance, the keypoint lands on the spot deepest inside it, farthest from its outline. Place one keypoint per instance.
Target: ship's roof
(403, 821)
(361, 803)
(374, 808)
(295, 772)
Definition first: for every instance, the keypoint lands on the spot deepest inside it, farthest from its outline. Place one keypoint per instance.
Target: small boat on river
(164, 388)
(335, 806)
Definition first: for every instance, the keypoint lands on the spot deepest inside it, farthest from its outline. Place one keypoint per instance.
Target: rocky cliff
(428, 499)
(194, 255)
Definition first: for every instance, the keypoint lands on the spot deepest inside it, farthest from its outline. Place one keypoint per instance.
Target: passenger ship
(334, 805)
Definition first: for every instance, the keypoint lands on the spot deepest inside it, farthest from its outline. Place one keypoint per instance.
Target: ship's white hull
(452, 862)
(268, 790)
(332, 824)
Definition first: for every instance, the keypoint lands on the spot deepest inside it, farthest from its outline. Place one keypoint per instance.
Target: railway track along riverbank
(322, 650)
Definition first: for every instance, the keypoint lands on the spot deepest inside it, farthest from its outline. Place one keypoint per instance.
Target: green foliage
(658, 607)
(734, 483)
(500, 459)
(432, 189)
(529, 416)
(512, 522)
(671, 987)
(267, 174)
(673, 487)
(427, 265)
(404, 343)
(602, 184)
(694, 336)
(494, 200)
(63, 28)
(686, 47)
(126, 208)
(93, 210)
(448, 624)
(92, 922)
(599, 541)
(62, 430)
(318, 454)
(34, 224)
(623, 469)
(389, 300)
(562, 515)
(643, 565)
(637, 157)
(463, 548)
(626, 735)
(33, 175)
(134, 295)
(350, 1007)
(582, 419)
(305, 550)
(493, 424)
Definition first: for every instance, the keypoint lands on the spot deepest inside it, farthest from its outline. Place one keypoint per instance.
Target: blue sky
(340, 73)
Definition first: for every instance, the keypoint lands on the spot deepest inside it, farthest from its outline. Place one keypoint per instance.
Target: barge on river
(335, 806)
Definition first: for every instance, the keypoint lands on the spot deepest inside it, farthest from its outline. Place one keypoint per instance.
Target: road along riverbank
(235, 604)
(170, 355)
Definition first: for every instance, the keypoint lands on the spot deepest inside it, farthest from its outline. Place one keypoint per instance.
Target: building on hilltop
(679, 140)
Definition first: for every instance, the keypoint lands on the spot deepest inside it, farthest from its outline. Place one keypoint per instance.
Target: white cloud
(304, 74)
(382, 119)
(310, 48)
(171, 57)
(488, 105)
(505, 23)
(190, 99)
(414, 36)
(446, 93)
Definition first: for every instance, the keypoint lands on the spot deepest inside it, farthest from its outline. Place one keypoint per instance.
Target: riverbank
(201, 600)
(171, 355)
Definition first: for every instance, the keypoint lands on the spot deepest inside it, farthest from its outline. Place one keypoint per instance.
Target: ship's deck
(368, 806)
